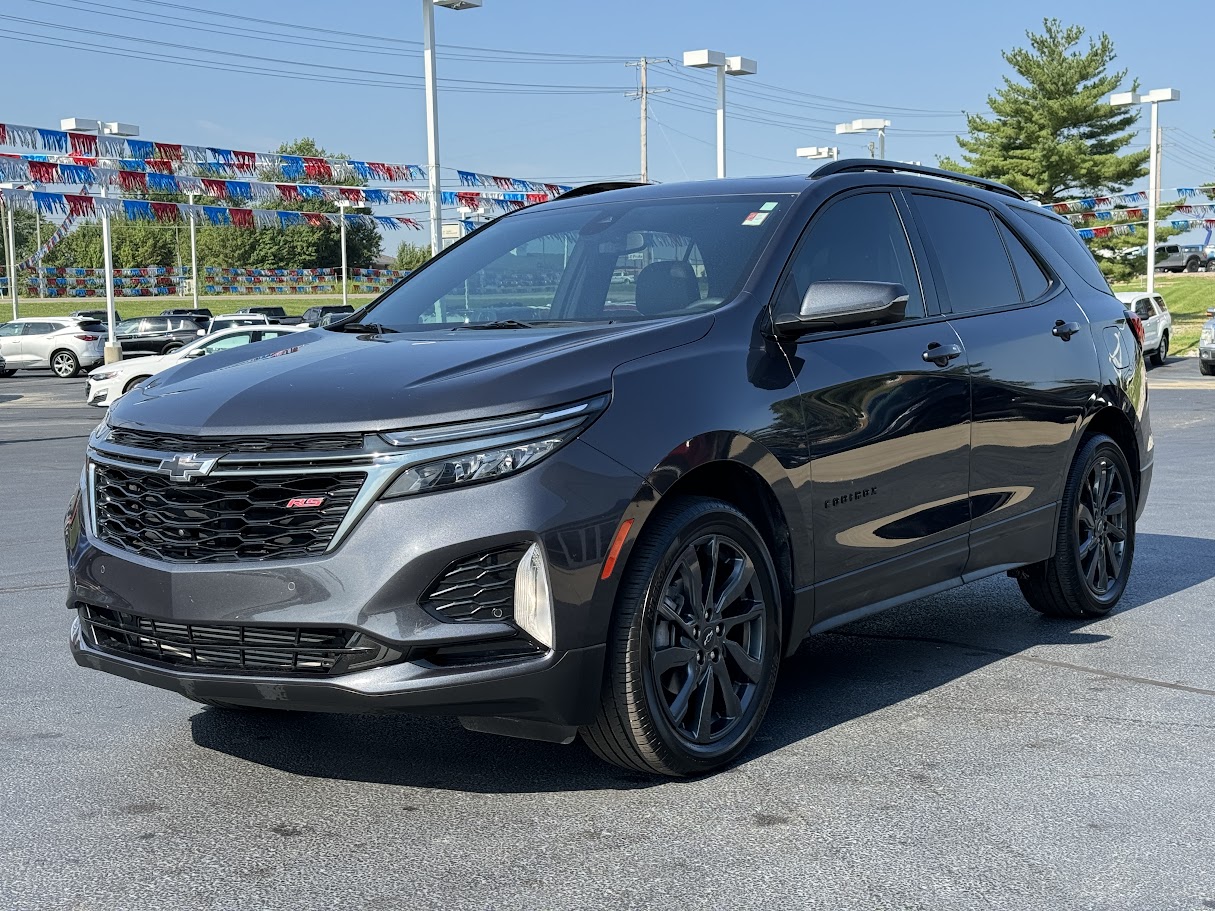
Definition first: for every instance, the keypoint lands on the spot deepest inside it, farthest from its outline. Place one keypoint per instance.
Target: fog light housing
(534, 597)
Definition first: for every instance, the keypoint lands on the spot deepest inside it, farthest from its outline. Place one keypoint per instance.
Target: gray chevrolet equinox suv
(516, 491)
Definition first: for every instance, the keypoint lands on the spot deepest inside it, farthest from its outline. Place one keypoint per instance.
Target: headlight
(457, 454)
(104, 374)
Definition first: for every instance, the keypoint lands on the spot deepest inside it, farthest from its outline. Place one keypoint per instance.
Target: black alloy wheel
(1095, 538)
(695, 643)
(706, 640)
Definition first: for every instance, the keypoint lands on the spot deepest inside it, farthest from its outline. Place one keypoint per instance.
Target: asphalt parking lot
(959, 752)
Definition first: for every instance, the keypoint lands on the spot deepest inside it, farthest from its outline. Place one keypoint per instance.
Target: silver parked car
(62, 343)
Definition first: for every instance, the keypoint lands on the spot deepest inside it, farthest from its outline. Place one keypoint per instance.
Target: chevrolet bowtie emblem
(184, 467)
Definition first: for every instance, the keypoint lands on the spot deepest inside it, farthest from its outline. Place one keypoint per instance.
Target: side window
(1030, 277)
(228, 341)
(974, 265)
(9, 329)
(858, 238)
(1067, 243)
(40, 328)
(1160, 305)
(1143, 308)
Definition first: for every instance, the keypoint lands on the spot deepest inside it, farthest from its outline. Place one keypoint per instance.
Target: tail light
(88, 338)
(1136, 325)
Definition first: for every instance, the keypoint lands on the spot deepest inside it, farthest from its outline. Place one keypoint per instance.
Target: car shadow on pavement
(834, 678)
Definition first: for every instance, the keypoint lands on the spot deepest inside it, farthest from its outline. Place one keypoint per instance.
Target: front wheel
(1162, 351)
(7, 373)
(133, 383)
(1191, 265)
(1206, 369)
(695, 644)
(1095, 538)
(64, 364)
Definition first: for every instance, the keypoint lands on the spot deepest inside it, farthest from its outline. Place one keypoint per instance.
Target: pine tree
(1054, 135)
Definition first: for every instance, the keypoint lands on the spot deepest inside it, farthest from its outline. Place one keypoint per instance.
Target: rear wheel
(1191, 265)
(694, 646)
(1162, 351)
(7, 373)
(1095, 542)
(1206, 369)
(64, 364)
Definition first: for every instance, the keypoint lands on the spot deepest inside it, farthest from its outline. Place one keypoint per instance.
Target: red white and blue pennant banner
(201, 160)
(83, 206)
(1127, 200)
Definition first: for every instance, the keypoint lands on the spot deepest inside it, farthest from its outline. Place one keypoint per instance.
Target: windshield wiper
(497, 324)
(374, 328)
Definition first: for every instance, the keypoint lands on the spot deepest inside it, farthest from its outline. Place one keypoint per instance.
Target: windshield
(642, 259)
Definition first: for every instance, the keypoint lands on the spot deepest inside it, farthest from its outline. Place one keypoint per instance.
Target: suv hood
(326, 381)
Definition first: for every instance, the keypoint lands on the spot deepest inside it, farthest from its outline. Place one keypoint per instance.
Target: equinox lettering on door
(850, 497)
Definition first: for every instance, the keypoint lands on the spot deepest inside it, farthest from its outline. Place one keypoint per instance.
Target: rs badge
(305, 502)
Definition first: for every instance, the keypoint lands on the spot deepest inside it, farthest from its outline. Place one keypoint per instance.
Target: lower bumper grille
(477, 587)
(281, 651)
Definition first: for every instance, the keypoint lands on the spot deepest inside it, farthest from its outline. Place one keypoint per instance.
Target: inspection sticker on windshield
(755, 218)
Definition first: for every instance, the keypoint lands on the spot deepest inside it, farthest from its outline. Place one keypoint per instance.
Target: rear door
(889, 429)
(1033, 369)
(36, 343)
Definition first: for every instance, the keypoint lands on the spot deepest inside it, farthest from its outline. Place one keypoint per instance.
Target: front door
(888, 422)
(1030, 351)
(10, 345)
(36, 344)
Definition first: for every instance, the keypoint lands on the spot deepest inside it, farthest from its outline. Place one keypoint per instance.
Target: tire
(7, 373)
(170, 348)
(1068, 584)
(1206, 369)
(1191, 265)
(132, 384)
(666, 675)
(64, 364)
(1162, 350)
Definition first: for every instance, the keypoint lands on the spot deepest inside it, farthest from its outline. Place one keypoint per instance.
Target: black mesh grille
(221, 519)
(169, 442)
(245, 649)
(479, 587)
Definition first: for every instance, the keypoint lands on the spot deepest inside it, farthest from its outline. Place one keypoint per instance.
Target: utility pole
(644, 92)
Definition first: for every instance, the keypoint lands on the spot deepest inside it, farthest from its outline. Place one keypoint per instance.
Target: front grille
(302, 650)
(220, 518)
(171, 442)
(478, 587)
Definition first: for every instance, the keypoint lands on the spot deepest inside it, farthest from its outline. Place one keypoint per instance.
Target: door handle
(1064, 330)
(941, 355)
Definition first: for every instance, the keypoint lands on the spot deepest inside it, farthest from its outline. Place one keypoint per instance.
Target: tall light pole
(342, 204)
(725, 66)
(432, 113)
(864, 125)
(1154, 98)
(831, 152)
(113, 350)
(10, 247)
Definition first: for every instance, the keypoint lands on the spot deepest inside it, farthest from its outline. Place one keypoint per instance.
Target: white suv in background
(108, 382)
(62, 343)
(1157, 322)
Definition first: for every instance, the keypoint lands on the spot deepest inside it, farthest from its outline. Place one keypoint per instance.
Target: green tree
(1053, 134)
(410, 256)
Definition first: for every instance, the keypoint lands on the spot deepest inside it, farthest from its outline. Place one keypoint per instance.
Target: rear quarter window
(1064, 240)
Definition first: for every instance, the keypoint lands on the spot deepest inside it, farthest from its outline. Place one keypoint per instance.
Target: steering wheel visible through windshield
(599, 261)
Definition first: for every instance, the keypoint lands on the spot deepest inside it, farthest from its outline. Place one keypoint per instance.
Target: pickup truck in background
(274, 315)
(1183, 258)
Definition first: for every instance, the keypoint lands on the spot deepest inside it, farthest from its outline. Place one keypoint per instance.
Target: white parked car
(63, 343)
(228, 320)
(1157, 322)
(108, 382)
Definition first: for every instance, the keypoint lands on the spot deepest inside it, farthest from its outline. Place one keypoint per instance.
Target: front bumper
(1206, 354)
(373, 582)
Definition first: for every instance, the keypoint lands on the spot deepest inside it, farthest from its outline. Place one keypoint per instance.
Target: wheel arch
(62, 349)
(1113, 422)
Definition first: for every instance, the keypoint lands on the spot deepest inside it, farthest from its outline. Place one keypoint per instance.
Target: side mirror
(829, 306)
(197, 352)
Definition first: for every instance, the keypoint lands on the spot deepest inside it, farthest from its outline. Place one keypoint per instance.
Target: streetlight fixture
(725, 66)
(113, 350)
(10, 245)
(864, 125)
(1154, 98)
(831, 152)
(432, 113)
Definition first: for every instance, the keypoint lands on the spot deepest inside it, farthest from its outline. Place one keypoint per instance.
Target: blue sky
(919, 64)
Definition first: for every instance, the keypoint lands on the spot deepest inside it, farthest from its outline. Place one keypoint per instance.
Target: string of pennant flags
(24, 170)
(194, 160)
(85, 206)
(1126, 200)
(1122, 229)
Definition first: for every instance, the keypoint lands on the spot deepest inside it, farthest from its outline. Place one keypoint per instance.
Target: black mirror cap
(830, 306)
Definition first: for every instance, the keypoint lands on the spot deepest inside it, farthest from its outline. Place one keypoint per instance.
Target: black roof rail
(601, 187)
(852, 165)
